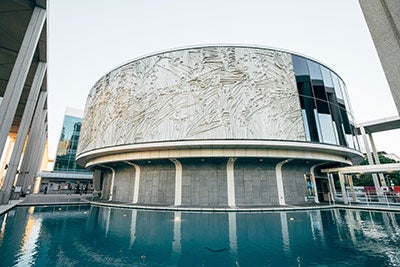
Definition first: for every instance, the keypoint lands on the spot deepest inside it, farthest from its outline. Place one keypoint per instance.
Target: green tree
(366, 179)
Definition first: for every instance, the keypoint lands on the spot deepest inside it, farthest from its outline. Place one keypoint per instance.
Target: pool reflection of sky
(99, 236)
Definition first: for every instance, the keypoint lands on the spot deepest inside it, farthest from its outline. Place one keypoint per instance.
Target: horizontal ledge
(196, 148)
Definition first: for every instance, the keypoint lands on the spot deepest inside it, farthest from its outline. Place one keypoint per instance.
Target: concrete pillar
(376, 157)
(279, 182)
(33, 139)
(331, 184)
(136, 185)
(230, 178)
(35, 162)
(16, 154)
(353, 193)
(32, 167)
(5, 159)
(38, 160)
(178, 182)
(383, 20)
(312, 170)
(370, 161)
(97, 181)
(19, 73)
(112, 181)
(343, 187)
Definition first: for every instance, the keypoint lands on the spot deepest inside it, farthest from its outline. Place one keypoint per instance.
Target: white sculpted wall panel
(198, 93)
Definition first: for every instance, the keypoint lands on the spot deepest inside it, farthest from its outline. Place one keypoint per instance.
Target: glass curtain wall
(66, 152)
(325, 107)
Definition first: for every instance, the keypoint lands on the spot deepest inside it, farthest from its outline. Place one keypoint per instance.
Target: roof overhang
(380, 125)
(65, 175)
(361, 169)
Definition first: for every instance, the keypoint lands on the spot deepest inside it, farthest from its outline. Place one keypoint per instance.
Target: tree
(366, 179)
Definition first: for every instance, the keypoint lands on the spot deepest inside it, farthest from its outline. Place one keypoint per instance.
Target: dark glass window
(338, 90)
(328, 132)
(315, 72)
(324, 104)
(300, 66)
(316, 80)
(326, 77)
(337, 118)
(308, 108)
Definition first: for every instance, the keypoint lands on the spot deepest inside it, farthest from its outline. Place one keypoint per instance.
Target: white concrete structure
(217, 126)
(22, 80)
(383, 20)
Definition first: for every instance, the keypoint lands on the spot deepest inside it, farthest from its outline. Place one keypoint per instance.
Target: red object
(396, 189)
(369, 189)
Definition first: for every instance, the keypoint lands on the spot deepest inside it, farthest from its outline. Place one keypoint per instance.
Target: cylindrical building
(217, 126)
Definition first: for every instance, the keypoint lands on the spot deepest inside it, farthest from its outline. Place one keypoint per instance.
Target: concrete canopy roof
(14, 19)
(380, 125)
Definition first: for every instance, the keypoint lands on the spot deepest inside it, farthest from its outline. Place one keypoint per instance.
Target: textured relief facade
(196, 93)
(223, 127)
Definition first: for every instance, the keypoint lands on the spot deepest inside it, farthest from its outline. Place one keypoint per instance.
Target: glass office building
(67, 146)
(67, 176)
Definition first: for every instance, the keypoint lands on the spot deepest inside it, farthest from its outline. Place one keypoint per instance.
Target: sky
(87, 39)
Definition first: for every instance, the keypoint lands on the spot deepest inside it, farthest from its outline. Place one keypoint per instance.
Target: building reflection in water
(98, 236)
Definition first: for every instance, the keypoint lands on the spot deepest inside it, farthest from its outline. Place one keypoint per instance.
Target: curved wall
(198, 93)
(218, 126)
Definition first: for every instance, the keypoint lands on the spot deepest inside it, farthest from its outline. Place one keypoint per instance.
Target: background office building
(217, 126)
(67, 174)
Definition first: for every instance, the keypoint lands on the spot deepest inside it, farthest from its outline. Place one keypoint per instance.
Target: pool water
(99, 236)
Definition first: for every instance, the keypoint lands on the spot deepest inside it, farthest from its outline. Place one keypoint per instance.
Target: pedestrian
(45, 190)
(69, 189)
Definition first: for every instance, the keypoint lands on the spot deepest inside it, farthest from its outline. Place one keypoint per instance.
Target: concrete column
(376, 157)
(279, 181)
(230, 178)
(353, 193)
(178, 182)
(331, 186)
(36, 125)
(343, 187)
(97, 181)
(38, 163)
(312, 169)
(5, 159)
(36, 185)
(31, 169)
(370, 161)
(383, 20)
(112, 181)
(23, 131)
(11, 172)
(19, 73)
(35, 162)
(136, 185)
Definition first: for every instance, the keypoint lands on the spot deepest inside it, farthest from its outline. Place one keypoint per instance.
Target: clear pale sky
(86, 39)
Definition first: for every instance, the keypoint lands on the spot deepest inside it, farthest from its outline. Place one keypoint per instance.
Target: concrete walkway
(45, 200)
(10, 205)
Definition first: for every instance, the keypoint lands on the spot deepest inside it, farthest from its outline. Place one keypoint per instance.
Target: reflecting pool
(98, 236)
